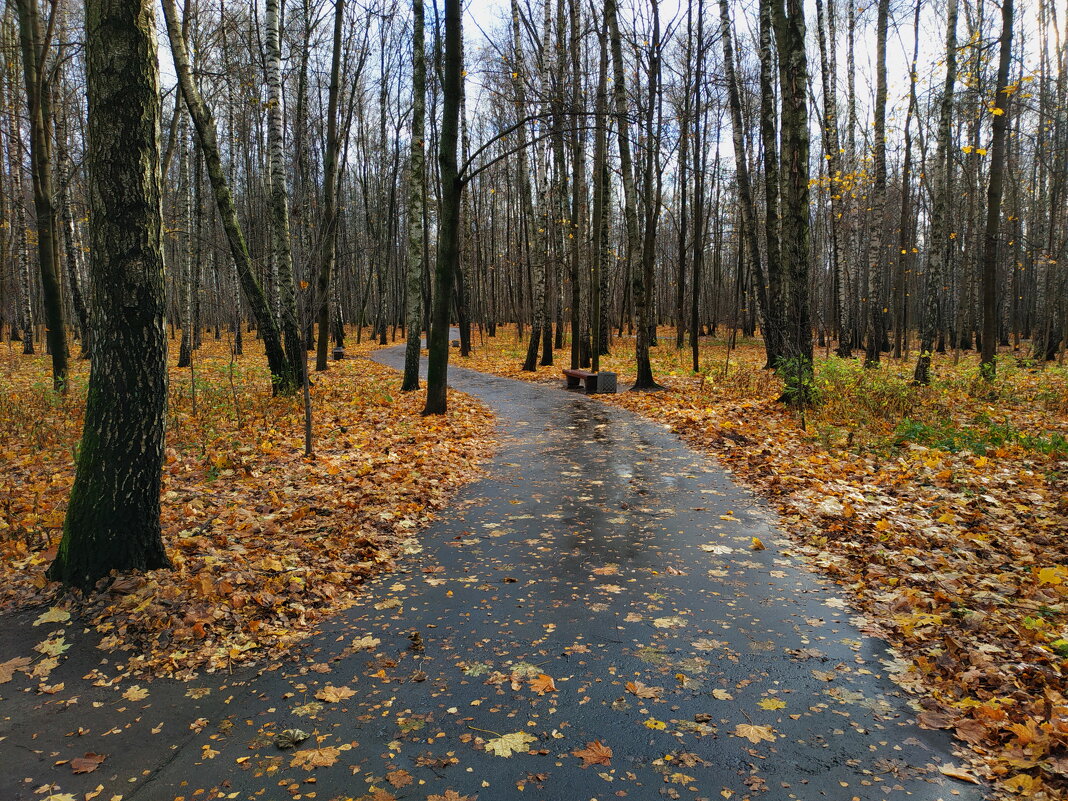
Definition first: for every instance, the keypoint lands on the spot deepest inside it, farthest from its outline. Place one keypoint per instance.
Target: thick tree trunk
(113, 520)
(796, 339)
(449, 220)
(634, 268)
(280, 232)
(416, 203)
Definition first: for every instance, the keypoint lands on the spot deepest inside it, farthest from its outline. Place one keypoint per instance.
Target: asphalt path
(590, 620)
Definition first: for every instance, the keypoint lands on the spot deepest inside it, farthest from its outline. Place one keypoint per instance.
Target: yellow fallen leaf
(53, 615)
(135, 693)
(312, 758)
(754, 734)
(757, 545)
(508, 744)
(332, 694)
(957, 773)
(772, 703)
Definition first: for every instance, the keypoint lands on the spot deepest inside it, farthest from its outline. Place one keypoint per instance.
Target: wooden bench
(593, 383)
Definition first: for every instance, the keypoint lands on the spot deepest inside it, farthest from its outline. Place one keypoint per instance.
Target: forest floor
(265, 543)
(942, 511)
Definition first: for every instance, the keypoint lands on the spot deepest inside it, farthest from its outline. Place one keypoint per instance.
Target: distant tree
(113, 520)
(35, 42)
(988, 363)
(939, 184)
(873, 297)
(284, 374)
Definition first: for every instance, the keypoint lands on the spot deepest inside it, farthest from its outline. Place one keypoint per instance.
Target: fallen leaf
(958, 773)
(399, 778)
(754, 734)
(135, 693)
(87, 763)
(642, 690)
(772, 703)
(671, 622)
(332, 694)
(543, 683)
(312, 758)
(8, 668)
(287, 738)
(507, 744)
(53, 615)
(594, 753)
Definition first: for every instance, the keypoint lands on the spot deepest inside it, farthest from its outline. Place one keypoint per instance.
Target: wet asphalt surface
(599, 584)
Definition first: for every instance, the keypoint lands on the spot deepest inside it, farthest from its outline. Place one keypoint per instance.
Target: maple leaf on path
(450, 795)
(399, 778)
(332, 694)
(8, 668)
(642, 690)
(87, 763)
(135, 693)
(595, 753)
(754, 734)
(543, 683)
(53, 615)
(507, 744)
(311, 758)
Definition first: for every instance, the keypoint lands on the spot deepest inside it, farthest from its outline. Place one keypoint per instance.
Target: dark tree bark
(875, 316)
(113, 518)
(773, 317)
(988, 363)
(747, 206)
(449, 225)
(634, 258)
(938, 246)
(796, 341)
(330, 190)
(35, 45)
